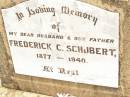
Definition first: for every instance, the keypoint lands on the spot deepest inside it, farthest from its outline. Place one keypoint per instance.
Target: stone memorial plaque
(64, 40)
(66, 47)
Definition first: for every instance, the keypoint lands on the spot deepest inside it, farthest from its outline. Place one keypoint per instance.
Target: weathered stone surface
(5, 3)
(5, 92)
